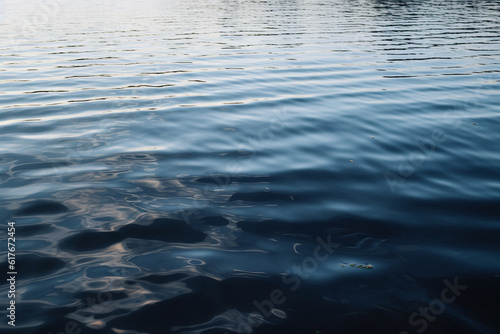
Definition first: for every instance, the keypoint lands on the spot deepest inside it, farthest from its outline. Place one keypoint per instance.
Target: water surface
(216, 166)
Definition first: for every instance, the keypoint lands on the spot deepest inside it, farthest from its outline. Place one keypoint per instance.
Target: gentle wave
(174, 167)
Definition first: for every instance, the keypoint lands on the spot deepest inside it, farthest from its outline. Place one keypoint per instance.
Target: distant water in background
(251, 166)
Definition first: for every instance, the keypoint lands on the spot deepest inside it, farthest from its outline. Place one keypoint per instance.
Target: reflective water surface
(251, 166)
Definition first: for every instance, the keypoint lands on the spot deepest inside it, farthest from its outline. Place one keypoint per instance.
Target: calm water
(217, 166)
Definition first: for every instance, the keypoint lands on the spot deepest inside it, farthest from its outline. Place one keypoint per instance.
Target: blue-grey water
(249, 166)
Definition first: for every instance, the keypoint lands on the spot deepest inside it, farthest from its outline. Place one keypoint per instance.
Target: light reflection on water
(179, 161)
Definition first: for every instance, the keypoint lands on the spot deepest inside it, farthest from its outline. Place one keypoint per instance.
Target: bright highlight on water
(240, 166)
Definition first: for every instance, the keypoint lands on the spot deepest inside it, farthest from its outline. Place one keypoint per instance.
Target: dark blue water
(251, 166)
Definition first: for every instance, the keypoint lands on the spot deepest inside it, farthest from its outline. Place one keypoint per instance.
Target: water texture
(251, 166)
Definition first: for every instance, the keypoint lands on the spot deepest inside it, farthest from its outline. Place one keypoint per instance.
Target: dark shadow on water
(163, 229)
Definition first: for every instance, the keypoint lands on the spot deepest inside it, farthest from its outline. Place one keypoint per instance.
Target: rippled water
(216, 166)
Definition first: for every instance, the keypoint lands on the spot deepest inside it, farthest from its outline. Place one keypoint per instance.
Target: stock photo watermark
(251, 146)
(11, 273)
(293, 279)
(91, 305)
(47, 9)
(407, 165)
(420, 320)
(426, 147)
(44, 11)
